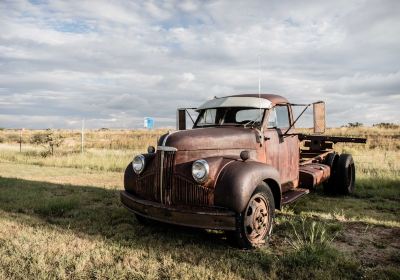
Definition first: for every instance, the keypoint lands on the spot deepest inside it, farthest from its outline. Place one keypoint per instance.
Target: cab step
(292, 195)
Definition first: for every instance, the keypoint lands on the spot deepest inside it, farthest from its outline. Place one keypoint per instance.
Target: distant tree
(48, 140)
(386, 125)
(38, 138)
(354, 124)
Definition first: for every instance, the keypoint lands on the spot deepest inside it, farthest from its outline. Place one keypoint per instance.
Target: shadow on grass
(93, 211)
(98, 213)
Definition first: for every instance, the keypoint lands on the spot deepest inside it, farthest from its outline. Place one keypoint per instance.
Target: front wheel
(254, 224)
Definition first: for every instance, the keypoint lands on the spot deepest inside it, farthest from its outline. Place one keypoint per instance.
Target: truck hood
(213, 138)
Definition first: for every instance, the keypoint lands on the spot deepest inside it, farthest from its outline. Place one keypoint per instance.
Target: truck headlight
(200, 170)
(138, 164)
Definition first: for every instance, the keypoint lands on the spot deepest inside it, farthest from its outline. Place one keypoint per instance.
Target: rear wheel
(254, 224)
(346, 174)
(329, 185)
(343, 174)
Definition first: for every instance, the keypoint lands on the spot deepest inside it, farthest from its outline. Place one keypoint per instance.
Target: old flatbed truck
(241, 160)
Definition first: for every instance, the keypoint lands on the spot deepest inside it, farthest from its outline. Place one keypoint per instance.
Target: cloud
(114, 63)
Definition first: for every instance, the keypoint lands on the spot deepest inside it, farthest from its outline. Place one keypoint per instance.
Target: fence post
(20, 140)
(82, 135)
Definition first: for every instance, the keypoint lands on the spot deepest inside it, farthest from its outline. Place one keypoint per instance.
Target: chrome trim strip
(167, 149)
(236, 101)
(161, 175)
(166, 137)
(164, 149)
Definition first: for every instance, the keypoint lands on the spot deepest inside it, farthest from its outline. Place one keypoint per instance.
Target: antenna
(259, 83)
(259, 76)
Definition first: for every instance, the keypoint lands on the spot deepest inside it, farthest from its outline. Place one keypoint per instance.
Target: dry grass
(60, 218)
(100, 139)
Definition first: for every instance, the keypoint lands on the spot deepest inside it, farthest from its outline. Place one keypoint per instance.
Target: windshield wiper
(251, 123)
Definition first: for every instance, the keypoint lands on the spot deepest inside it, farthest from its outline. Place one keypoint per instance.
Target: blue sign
(149, 123)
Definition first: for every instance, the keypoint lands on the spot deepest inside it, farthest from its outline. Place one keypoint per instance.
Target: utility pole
(20, 140)
(82, 135)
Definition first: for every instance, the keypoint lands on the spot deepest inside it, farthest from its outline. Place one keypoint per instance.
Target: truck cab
(240, 162)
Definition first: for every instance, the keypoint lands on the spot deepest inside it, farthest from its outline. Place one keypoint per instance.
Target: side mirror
(319, 117)
(181, 119)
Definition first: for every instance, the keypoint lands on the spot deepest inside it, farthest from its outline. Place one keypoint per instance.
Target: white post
(82, 135)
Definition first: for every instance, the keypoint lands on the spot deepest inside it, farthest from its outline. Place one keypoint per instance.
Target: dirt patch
(373, 245)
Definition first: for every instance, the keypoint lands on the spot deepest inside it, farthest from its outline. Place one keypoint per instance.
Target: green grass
(95, 159)
(69, 231)
(61, 218)
(318, 262)
(72, 231)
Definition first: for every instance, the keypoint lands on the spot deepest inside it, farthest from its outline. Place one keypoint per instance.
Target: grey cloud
(115, 63)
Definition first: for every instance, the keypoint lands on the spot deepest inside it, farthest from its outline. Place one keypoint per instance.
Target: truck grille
(186, 192)
(164, 178)
(160, 184)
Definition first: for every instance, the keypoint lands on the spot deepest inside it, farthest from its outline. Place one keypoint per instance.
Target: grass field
(60, 218)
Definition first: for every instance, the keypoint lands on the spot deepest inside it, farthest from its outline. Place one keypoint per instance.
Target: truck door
(282, 152)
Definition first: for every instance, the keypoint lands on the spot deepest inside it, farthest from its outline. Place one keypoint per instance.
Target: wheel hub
(257, 219)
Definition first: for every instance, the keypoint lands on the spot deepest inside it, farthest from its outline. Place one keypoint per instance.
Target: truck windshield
(230, 116)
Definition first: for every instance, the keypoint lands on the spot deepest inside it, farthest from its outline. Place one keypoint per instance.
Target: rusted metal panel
(283, 153)
(162, 184)
(186, 192)
(181, 119)
(213, 138)
(183, 167)
(333, 139)
(292, 166)
(166, 190)
(238, 181)
(210, 218)
(272, 151)
(292, 195)
(319, 117)
(313, 174)
(307, 157)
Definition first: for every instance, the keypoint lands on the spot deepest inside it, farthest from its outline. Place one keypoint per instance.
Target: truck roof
(273, 98)
(264, 101)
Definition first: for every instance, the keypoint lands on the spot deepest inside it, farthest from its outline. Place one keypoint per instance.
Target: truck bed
(319, 146)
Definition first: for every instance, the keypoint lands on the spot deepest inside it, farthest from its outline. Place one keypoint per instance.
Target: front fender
(238, 180)
(130, 177)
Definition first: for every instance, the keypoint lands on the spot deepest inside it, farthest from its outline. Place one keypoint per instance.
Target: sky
(113, 63)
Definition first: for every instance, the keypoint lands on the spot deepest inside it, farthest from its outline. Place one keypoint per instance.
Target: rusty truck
(242, 160)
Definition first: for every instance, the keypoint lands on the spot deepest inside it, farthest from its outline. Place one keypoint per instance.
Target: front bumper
(208, 218)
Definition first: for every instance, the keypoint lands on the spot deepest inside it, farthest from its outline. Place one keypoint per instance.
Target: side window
(209, 116)
(272, 121)
(279, 117)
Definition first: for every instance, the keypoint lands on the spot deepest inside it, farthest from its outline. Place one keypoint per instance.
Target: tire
(254, 224)
(346, 174)
(332, 161)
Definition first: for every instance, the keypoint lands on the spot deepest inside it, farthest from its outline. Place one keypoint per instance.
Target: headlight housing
(138, 164)
(200, 170)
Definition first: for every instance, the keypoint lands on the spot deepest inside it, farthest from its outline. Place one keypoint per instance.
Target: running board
(292, 195)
